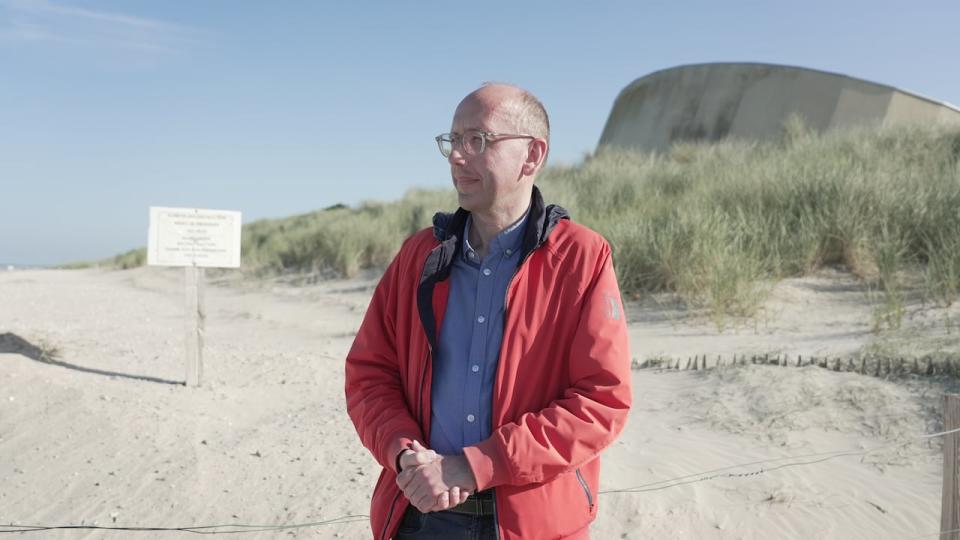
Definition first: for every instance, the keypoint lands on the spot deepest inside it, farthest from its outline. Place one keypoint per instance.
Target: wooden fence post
(950, 509)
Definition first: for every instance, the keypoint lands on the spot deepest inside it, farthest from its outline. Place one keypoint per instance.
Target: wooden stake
(194, 325)
(950, 508)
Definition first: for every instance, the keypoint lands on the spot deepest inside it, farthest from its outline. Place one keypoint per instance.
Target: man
(492, 365)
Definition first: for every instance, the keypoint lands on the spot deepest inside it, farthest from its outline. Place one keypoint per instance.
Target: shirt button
(475, 368)
(471, 418)
(509, 252)
(481, 319)
(486, 271)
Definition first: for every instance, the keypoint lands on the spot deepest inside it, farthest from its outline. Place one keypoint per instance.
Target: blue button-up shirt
(465, 361)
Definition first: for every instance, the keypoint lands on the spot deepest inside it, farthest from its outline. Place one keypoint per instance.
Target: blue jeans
(445, 526)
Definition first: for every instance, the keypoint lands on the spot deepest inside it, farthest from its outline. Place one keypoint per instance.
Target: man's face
(490, 182)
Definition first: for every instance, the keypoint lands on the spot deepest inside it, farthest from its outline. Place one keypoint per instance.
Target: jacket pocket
(586, 490)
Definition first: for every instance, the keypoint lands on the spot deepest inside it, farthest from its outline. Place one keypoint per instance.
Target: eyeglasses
(473, 141)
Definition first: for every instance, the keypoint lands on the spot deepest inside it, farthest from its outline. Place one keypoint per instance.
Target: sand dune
(92, 431)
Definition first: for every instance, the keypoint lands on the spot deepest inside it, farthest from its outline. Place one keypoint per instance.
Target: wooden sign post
(194, 324)
(950, 508)
(195, 239)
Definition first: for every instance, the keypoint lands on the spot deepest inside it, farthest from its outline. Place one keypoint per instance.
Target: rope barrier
(204, 529)
(670, 482)
(696, 477)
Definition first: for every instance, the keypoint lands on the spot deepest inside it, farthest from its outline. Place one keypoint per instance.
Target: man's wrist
(464, 474)
(400, 455)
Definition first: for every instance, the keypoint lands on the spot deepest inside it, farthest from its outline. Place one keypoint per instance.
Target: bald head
(521, 108)
(494, 178)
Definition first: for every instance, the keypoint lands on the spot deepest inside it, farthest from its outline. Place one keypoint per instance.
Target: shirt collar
(508, 242)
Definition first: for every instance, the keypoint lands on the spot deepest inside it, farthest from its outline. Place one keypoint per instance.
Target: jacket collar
(448, 229)
(540, 222)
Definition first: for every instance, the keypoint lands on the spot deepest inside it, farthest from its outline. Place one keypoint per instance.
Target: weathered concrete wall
(751, 101)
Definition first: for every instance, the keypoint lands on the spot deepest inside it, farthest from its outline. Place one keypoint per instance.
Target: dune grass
(717, 224)
(339, 241)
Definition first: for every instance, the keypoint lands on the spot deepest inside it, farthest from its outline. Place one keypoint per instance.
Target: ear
(536, 156)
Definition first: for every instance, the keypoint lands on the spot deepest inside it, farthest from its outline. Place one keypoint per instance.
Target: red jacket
(562, 388)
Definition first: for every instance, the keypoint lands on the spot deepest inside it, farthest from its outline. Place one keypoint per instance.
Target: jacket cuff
(394, 449)
(489, 469)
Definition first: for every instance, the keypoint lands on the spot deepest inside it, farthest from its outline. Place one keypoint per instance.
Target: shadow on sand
(12, 343)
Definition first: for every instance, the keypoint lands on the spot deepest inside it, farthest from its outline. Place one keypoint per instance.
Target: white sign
(194, 237)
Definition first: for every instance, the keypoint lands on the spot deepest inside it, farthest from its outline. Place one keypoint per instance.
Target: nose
(456, 156)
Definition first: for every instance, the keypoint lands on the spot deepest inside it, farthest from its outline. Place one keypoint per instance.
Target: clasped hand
(433, 482)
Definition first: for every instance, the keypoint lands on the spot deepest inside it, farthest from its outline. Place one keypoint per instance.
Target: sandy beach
(96, 429)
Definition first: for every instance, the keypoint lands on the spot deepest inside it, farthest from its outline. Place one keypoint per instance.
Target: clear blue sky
(277, 108)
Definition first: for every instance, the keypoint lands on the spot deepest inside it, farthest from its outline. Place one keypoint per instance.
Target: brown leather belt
(481, 504)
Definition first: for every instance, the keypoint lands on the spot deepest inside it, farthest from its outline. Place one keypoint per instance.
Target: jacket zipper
(506, 294)
(506, 315)
(386, 525)
(510, 283)
(423, 379)
(586, 489)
